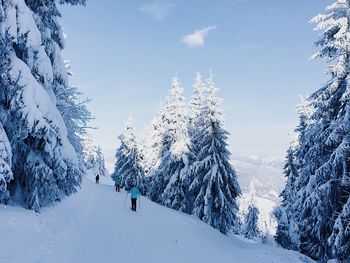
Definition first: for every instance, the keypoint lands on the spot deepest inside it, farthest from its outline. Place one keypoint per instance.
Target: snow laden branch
(42, 120)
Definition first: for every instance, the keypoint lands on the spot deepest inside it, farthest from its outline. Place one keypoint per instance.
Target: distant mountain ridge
(261, 173)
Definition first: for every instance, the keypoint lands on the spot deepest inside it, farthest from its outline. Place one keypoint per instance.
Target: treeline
(182, 160)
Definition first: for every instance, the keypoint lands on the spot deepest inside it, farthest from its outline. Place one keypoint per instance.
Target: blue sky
(124, 53)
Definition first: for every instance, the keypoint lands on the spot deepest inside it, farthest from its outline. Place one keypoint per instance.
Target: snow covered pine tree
(287, 214)
(323, 183)
(167, 184)
(5, 167)
(33, 77)
(196, 104)
(127, 165)
(250, 227)
(287, 230)
(214, 187)
(120, 156)
(150, 145)
(100, 162)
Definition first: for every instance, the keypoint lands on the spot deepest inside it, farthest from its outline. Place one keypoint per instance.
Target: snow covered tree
(323, 153)
(150, 145)
(5, 167)
(100, 162)
(89, 152)
(287, 231)
(196, 104)
(328, 186)
(76, 117)
(127, 165)
(250, 228)
(45, 164)
(167, 185)
(214, 187)
(120, 156)
(339, 240)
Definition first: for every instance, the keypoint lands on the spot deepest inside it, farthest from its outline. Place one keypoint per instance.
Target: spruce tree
(150, 145)
(89, 152)
(76, 117)
(120, 156)
(45, 164)
(128, 163)
(250, 228)
(100, 162)
(5, 167)
(167, 185)
(214, 187)
(195, 122)
(339, 240)
(287, 231)
(323, 153)
(328, 189)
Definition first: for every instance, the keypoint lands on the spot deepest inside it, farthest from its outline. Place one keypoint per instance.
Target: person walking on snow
(134, 194)
(97, 179)
(117, 184)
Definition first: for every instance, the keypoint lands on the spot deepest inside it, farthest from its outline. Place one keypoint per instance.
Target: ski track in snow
(92, 226)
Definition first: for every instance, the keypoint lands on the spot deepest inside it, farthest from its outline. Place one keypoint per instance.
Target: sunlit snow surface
(93, 226)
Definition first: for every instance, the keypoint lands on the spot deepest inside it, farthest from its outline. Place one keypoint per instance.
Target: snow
(26, 24)
(38, 104)
(93, 226)
(262, 172)
(266, 220)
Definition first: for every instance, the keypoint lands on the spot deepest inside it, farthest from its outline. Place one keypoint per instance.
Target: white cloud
(196, 39)
(158, 9)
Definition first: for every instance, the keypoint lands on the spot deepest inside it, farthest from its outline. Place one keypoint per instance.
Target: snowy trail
(93, 226)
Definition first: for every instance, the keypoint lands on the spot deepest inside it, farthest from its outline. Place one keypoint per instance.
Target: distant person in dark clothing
(97, 179)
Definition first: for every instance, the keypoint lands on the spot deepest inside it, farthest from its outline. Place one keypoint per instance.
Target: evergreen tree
(120, 156)
(287, 231)
(251, 229)
(76, 117)
(5, 167)
(150, 146)
(100, 167)
(214, 188)
(45, 164)
(339, 240)
(196, 105)
(327, 189)
(167, 185)
(323, 153)
(127, 165)
(89, 152)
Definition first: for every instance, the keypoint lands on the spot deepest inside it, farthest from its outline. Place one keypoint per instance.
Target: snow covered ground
(93, 226)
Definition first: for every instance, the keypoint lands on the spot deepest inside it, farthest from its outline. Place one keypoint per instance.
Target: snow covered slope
(92, 226)
(266, 220)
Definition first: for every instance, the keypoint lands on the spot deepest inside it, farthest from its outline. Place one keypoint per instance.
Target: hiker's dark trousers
(133, 204)
(117, 188)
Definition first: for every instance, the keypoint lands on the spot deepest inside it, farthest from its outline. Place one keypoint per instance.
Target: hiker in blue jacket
(134, 194)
